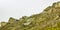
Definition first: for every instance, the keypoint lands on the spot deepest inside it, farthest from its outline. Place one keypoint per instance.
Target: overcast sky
(19, 8)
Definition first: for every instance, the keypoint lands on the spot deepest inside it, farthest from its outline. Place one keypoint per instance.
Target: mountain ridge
(49, 19)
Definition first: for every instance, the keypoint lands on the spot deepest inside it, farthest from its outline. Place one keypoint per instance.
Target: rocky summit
(49, 19)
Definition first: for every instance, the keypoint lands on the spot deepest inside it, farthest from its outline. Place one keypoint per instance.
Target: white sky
(19, 8)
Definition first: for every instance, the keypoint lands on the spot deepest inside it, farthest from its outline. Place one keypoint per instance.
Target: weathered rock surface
(49, 19)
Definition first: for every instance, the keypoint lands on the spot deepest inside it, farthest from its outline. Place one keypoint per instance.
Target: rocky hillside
(49, 19)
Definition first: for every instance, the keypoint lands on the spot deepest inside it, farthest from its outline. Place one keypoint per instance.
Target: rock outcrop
(49, 19)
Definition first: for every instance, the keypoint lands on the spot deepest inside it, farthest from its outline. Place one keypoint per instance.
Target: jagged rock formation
(49, 19)
(3, 24)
